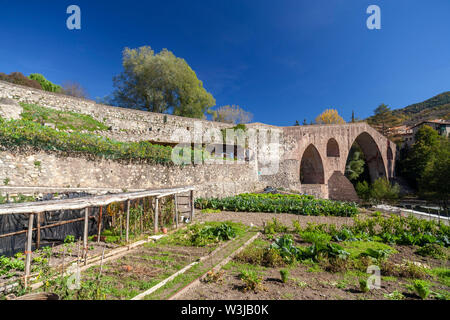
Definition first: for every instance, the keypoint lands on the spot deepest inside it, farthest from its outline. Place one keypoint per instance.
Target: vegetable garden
(280, 203)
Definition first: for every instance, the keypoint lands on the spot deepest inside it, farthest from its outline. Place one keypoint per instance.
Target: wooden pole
(128, 221)
(176, 210)
(28, 249)
(38, 234)
(99, 223)
(156, 215)
(191, 200)
(85, 234)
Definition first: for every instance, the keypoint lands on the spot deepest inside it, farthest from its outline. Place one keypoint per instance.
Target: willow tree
(160, 83)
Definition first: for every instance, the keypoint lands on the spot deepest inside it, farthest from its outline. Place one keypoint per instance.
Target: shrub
(20, 79)
(272, 258)
(45, 84)
(432, 250)
(383, 190)
(363, 190)
(284, 273)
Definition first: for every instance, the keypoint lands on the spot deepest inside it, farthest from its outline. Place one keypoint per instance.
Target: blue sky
(281, 60)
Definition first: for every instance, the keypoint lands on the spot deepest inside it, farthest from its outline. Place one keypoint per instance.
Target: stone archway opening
(370, 153)
(311, 167)
(332, 148)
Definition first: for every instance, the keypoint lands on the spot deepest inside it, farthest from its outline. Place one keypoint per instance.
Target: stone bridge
(313, 158)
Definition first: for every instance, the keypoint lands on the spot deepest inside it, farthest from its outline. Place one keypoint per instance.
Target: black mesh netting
(17, 222)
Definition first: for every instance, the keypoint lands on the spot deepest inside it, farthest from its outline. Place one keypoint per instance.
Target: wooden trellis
(37, 208)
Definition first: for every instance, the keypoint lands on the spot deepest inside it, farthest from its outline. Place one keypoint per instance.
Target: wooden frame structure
(37, 208)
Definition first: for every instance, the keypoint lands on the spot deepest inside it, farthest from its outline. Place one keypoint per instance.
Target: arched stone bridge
(313, 158)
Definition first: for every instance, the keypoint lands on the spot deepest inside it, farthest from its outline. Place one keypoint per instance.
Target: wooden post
(128, 221)
(38, 234)
(99, 223)
(191, 200)
(85, 234)
(156, 215)
(176, 210)
(28, 249)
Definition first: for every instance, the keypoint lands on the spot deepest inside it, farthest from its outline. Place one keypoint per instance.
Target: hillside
(433, 108)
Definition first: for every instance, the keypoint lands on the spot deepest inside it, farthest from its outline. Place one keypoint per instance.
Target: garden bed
(407, 270)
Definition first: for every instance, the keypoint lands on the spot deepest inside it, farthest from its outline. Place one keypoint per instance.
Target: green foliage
(285, 247)
(8, 266)
(434, 182)
(431, 250)
(296, 204)
(211, 211)
(355, 166)
(69, 239)
(383, 119)
(421, 288)
(284, 273)
(395, 229)
(251, 280)
(274, 227)
(395, 295)
(160, 83)
(63, 120)
(16, 133)
(363, 285)
(316, 237)
(383, 190)
(426, 164)
(378, 254)
(363, 190)
(45, 84)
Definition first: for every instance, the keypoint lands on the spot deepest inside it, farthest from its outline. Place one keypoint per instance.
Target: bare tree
(72, 88)
(232, 114)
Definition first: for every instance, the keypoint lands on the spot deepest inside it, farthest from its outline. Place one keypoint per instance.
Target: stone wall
(126, 124)
(43, 169)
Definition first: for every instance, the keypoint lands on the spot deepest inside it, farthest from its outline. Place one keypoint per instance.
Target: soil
(305, 283)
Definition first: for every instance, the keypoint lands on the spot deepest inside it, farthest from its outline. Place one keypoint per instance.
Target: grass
(63, 120)
(356, 248)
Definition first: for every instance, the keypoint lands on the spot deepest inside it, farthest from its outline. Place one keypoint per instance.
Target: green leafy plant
(395, 295)
(251, 280)
(421, 288)
(431, 250)
(69, 239)
(284, 273)
(363, 285)
(279, 203)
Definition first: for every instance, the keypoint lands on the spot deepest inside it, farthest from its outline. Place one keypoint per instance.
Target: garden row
(279, 203)
(345, 255)
(137, 271)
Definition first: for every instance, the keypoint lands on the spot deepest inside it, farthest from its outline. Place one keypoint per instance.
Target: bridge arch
(332, 148)
(311, 167)
(372, 155)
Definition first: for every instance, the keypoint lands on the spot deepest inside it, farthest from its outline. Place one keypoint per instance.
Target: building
(440, 125)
